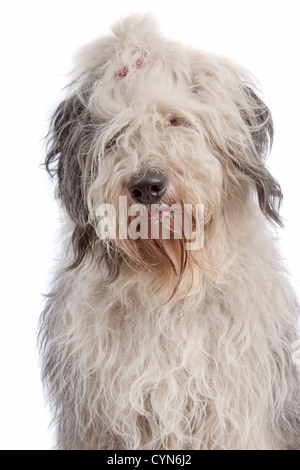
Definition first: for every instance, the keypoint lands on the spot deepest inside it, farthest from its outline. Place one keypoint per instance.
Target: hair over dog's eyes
(111, 144)
(113, 141)
(175, 122)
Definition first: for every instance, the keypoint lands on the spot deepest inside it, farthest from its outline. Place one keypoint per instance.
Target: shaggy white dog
(147, 344)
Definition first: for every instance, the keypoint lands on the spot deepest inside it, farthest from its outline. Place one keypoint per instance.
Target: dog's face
(161, 124)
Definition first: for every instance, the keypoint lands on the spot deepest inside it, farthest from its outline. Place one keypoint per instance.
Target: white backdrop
(38, 40)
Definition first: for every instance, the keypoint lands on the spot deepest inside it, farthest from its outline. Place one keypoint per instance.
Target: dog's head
(163, 124)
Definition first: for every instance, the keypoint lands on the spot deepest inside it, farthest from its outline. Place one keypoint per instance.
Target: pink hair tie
(139, 63)
(121, 73)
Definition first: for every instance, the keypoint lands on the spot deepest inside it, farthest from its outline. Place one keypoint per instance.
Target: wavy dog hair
(145, 344)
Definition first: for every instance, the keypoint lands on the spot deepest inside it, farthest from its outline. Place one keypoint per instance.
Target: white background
(38, 40)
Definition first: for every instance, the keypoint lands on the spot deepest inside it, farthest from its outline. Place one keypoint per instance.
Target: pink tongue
(158, 215)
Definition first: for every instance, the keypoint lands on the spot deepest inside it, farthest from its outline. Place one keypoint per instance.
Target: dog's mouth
(157, 237)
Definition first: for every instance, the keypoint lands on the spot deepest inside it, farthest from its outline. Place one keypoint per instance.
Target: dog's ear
(65, 150)
(258, 119)
(69, 143)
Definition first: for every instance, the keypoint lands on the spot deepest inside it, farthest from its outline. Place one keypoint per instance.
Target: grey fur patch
(70, 137)
(261, 128)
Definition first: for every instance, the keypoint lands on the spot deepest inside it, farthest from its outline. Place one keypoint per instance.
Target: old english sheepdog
(164, 331)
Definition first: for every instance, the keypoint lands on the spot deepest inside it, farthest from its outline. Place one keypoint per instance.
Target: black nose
(148, 189)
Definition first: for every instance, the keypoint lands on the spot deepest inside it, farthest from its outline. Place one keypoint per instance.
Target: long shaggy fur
(146, 345)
